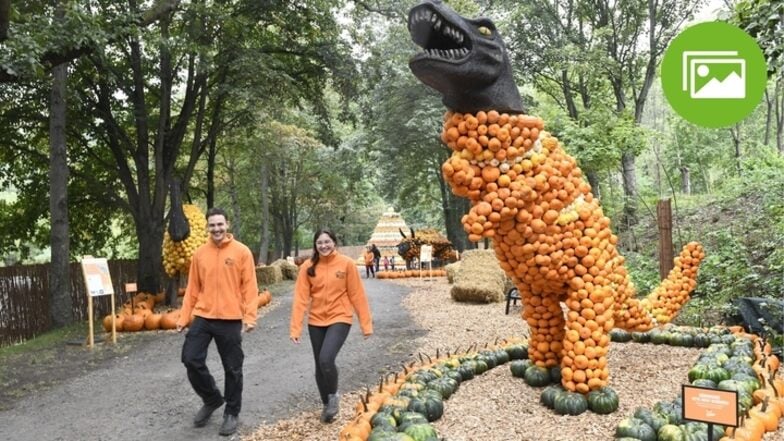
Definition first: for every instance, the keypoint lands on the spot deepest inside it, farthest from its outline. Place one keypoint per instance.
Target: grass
(46, 340)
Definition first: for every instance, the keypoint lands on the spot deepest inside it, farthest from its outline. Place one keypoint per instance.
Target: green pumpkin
(603, 400)
(480, 366)
(501, 356)
(550, 393)
(702, 340)
(467, 370)
(555, 374)
(388, 436)
(704, 382)
(671, 410)
(537, 376)
(383, 418)
(445, 387)
(681, 339)
(660, 337)
(455, 375)
(635, 428)
(421, 432)
(651, 418)
(431, 407)
(697, 372)
(717, 374)
(570, 403)
(518, 367)
(641, 337)
(517, 352)
(620, 335)
(407, 418)
(671, 432)
(489, 358)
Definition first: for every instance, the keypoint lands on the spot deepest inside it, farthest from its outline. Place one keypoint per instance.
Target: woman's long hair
(315, 257)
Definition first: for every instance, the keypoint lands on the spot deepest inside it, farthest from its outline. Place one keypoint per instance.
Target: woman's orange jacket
(331, 296)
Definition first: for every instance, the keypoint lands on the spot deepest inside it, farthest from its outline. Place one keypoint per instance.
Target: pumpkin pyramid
(386, 235)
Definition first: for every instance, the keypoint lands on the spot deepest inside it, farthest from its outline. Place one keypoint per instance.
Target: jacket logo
(340, 274)
(229, 261)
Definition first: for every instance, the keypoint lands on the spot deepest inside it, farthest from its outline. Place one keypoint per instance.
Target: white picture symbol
(714, 75)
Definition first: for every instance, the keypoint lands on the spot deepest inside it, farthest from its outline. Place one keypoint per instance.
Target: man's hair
(215, 211)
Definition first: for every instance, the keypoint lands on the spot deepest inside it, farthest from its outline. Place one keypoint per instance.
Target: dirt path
(141, 392)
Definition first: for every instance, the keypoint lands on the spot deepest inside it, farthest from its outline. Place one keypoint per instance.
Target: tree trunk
(211, 176)
(629, 189)
(5, 18)
(735, 132)
(61, 306)
(149, 267)
(779, 103)
(265, 214)
(685, 180)
(593, 180)
(769, 103)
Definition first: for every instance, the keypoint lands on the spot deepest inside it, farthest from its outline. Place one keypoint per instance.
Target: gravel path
(143, 394)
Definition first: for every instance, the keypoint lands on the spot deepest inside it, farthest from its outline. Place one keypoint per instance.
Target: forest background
(295, 115)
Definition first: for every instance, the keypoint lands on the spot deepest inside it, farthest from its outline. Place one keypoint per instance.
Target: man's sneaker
(203, 415)
(229, 425)
(331, 408)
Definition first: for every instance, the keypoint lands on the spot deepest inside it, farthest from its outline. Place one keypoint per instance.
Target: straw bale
(451, 271)
(268, 275)
(480, 278)
(287, 269)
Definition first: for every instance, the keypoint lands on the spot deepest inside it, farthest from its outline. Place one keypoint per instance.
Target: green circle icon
(713, 74)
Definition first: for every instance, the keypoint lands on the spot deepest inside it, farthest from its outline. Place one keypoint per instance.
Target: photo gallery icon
(714, 75)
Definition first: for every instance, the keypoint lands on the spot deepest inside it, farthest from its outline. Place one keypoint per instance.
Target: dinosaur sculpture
(528, 195)
(410, 246)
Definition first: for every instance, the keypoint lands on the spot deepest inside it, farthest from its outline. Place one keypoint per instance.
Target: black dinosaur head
(465, 60)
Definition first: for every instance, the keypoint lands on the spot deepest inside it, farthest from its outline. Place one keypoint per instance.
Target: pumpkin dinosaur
(528, 195)
(411, 246)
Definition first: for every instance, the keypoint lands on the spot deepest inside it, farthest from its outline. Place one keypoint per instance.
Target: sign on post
(711, 406)
(426, 256)
(98, 282)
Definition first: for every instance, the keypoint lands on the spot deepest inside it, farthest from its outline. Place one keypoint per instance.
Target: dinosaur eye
(484, 30)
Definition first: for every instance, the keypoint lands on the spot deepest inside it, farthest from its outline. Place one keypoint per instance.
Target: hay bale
(479, 279)
(287, 269)
(451, 271)
(268, 275)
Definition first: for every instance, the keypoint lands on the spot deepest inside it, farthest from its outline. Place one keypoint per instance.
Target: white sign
(425, 253)
(96, 276)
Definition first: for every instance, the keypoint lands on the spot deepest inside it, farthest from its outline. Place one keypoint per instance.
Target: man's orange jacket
(221, 283)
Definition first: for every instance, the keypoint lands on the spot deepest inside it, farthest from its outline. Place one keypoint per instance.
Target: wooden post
(91, 339)
(664, 220)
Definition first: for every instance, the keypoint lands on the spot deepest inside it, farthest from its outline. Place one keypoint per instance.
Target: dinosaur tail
(664, 303)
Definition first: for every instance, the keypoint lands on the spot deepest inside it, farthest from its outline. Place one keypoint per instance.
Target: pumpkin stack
(177, 255)
(551, 237)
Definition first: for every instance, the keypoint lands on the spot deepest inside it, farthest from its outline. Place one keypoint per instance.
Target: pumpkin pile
(550, 236)
(410, 273)
(139, 313)
(402, 407)
(177, 255)
(732, 361)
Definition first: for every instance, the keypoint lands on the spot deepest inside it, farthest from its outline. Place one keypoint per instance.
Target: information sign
(712, 406)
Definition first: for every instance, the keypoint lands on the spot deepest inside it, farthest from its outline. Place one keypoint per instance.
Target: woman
(329, 284)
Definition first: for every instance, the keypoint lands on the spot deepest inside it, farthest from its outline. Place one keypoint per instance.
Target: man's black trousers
(228, 339)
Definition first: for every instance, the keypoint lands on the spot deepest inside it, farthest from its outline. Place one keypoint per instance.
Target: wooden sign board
(130, 287)
(426, 253)
(96, 276)
(712, 406)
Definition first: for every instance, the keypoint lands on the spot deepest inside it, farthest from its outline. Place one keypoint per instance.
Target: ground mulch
(495, 406)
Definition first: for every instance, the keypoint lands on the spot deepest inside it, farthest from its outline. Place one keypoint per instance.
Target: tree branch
(53, 58)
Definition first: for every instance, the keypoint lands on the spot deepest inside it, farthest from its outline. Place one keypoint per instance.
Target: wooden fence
(24, 298)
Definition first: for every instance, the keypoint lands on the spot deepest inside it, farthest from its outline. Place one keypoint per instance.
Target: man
(376, 256)
(221, 296)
